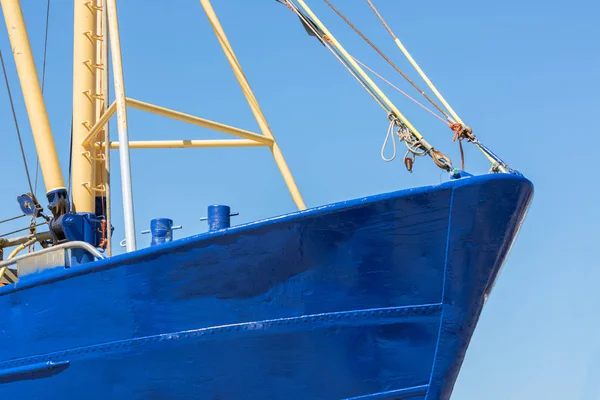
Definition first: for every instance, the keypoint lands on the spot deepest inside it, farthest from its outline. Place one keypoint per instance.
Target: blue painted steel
(58, 202)
(376, 297)
(29, 205)
(33, 371)
(219, 217)
(406, 393)
(161, 230)
(84, 227)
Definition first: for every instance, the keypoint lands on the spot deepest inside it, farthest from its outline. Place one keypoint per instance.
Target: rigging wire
(415, 143)
(400, 90)
(31, 247)
(70, 168)
(322, 38)
(23, 229)
(415, 65)
(402, 131)
(461, 131)
(37, 163)
(390, 62)
(12, 219)
(12, 105)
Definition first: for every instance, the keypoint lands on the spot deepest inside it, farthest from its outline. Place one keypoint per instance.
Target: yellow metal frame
(32, 94)
(184, 144)
(246, 138)
(177, 115)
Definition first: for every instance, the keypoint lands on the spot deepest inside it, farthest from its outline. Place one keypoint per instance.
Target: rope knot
(462, 132)
(103, 236)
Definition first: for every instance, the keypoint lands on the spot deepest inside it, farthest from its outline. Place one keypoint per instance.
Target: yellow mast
(85, 69)
(32, 94)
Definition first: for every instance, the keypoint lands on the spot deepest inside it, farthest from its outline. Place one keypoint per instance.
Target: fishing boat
(370, 298)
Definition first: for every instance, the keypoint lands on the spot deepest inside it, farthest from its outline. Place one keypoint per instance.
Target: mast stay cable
(414, 64)
(461, 131)
(14, 113)
(390, 62)
(399, 90)
(457, 128)
(414, 141)
(33, 229)
(13, 218)
(32, 187)
(401, 130)
(37, 164)
(21, 230)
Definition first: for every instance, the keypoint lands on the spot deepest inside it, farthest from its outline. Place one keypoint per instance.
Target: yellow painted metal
(32, 93)
(84, 104)
(415, 65)
(179, 116)
(99, 125)
(258, 114)
(436, 92)
(362, 73)
(427, 81)
(187, 144)
(205, 123)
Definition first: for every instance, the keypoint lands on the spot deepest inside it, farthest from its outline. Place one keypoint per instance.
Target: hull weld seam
(347, 318)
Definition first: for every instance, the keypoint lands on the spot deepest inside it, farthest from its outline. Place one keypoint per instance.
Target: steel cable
(390, 62)
(37, 163)
(14, 113)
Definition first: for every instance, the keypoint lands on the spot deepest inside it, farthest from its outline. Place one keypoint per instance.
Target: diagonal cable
(37, 162)
(386, 58)
(12, 106)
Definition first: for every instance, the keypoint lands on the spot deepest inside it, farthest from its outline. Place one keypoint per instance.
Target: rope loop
(387, 138)
(462, 132)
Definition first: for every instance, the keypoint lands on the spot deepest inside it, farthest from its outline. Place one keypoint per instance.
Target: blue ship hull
(375, 298)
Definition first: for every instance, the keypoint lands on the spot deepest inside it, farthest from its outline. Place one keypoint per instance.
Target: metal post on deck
(125, 164)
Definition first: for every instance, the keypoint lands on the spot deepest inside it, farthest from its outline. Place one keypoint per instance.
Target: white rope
(387, 137)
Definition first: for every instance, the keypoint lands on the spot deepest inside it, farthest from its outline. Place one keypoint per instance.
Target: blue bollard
(218, 217)
(161, 230)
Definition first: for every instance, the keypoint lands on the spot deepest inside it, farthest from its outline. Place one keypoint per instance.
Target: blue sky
(524, 75)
